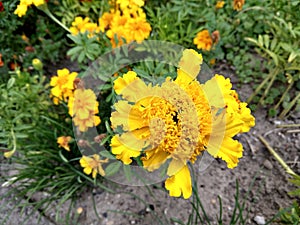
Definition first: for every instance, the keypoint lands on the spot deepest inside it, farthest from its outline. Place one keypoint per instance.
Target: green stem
(277, 157)
(45, 9)
(288, 108)
(288, 125)
(284, 94)
(268, 88)
(271, 74)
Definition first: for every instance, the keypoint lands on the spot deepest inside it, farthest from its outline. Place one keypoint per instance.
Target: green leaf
(107, 154)
(292, 56)
(11, 82)
(127, 171)
(260, 41)
(112, 168)
(74, 51)
(266, 40)
(286, 47)
(273, 44)
(274, 56)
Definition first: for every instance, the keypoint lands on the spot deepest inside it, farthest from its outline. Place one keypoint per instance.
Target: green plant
(30, 125)
(280, 45)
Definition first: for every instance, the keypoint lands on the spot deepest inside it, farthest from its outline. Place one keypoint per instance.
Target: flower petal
(154, 159)
(180, 183)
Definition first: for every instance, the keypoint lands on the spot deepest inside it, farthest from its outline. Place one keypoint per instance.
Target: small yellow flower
(93, 165)
(220, 4)
(21, 10)
(24, 4)
(80, 25)
(203, 40)
(64, 141)
(63, 85)
(83, 107)
(238, 4)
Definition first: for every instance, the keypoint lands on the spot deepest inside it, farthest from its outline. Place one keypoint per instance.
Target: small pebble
(260, 220)
(268, 164)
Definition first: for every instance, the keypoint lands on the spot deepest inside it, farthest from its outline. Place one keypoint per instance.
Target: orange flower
(238, 4)
(203, 40)
(63, 142)
(1, 62)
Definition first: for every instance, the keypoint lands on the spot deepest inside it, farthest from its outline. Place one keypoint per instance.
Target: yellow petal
(230, 151)
(190, 62)
(87, 170)
(97, 120)
(154, 159)
(121, 151)
(180, 183)
(174, 167)
(122, 82)
(126, 116)
(183, 78)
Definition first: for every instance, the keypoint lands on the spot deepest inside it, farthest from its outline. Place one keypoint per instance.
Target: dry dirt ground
(267, 195)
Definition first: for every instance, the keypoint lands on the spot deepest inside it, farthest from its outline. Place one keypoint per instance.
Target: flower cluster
(176, 121)
(24, 4)
(126, 20)
(205, 41)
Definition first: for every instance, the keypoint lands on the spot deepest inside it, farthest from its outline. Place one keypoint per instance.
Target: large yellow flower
(83, 107)
(176, 121)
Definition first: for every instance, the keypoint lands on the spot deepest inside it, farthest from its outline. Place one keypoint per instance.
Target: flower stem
(277, 157)
(46, 10)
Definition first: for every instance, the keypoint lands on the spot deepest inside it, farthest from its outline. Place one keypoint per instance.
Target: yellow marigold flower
(130, 3)
(220, 4)
(62, 84)
(203, 40)
(21, 10)
(93, 165)
(105, 20)
(238, 4)
(63, 142)
(80, 25)
(138, 30)
(24, 4)
(176, 121)
(83, 107)
(38, 2)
